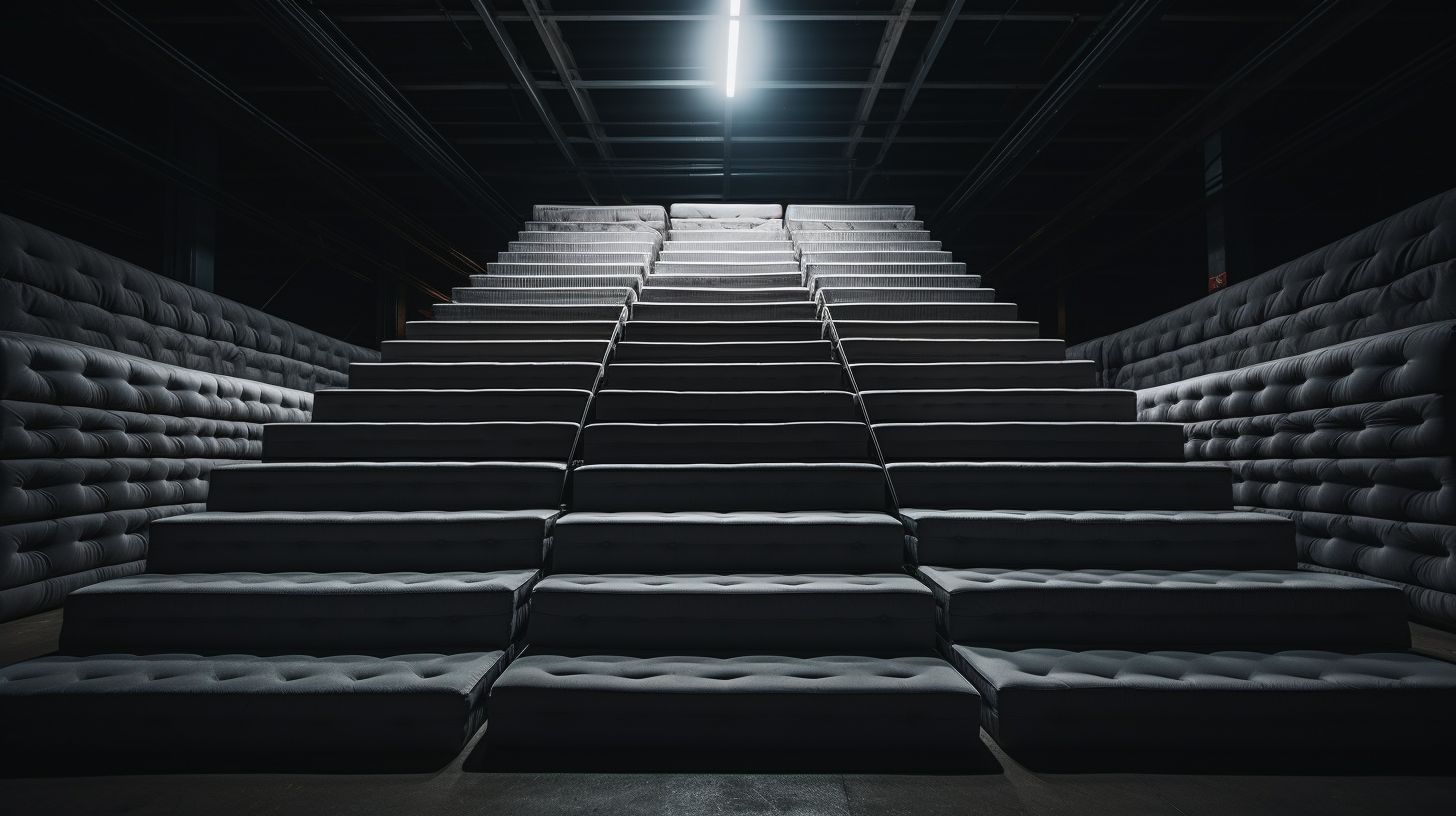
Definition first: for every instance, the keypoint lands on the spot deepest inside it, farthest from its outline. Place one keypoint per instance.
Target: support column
(1223, 215)
(190, 221)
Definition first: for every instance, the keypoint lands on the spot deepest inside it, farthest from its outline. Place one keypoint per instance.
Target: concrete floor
(1014, 790)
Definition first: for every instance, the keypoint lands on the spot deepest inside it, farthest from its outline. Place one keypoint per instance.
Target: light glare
(733, 54)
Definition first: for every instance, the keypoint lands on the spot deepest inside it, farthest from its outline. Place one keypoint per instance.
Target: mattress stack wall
(1326, 384)
(121, 390)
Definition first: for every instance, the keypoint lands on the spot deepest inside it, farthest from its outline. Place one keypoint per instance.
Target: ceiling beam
(884, 55)
(917, 79)
(313, 38)
(1297, 46)
(528, 85)
(1036, 126)
(540, 12)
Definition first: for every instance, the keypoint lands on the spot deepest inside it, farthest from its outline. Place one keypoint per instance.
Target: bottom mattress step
(184, 711)
(298, 612)
(1095, 710)
(817, 613)
(1167, 609)
(829, 713)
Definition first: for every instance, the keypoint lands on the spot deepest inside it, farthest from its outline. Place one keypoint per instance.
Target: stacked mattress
(1100, 593)
(725, 487)
(348, 601)
(727, 578)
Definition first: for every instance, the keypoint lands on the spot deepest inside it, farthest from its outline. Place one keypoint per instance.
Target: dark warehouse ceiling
(1040, 138)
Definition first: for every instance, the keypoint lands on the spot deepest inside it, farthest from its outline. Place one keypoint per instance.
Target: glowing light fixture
(734, 12)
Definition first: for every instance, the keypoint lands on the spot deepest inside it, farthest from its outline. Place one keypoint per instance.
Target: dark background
(356, 157)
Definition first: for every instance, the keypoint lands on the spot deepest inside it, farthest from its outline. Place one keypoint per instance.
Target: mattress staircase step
(787, 310)
(658, 292)
(831, 295)
(791, 713)
(386, 486)
(918, 311)
(852, 237)
(992, 350)
(588, 238)
(801, 351)
(727, 487)
(372, 540)
(299, 613)
(538, 281)
(822, 376)
(722, 236)
(494, 351)
(418, 441)
(729, 281)
(1001, 405)
(624, 246)
(1030, 441)
(843, 254)
(1063, 485)
(1122, 540)
(475, 375)
(523, 312)
(935, 329)
(726, 406)
(757, 542)
(721, 442)
(889, 614)
(735, 246)
(814, 267)
(558, 296)
(891, 280)
(509, 330)
(565, 270)
(720, 331)
(811, 247)
(965, 375)
(169, 712)
(743, 266)
(597, 255)
(1197, 610)
(1306, 710)
(688, 253)
(450, 405)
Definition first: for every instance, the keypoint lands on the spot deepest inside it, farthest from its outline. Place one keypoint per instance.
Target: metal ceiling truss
(528, 84)
(1040, 122)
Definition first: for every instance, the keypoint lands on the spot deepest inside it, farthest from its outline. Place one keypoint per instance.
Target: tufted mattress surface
(387, 486)
(783, 543)
(1352, 442)
(809, 613)
(1391, 275)
(841, 705)
(1150, 609)
(774, 487)
(56, 287)
(1061, 485)
(96, 444)
(244, 709)
(281, 613)
(374, 541)
(1051, 699)
(1062, 539)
